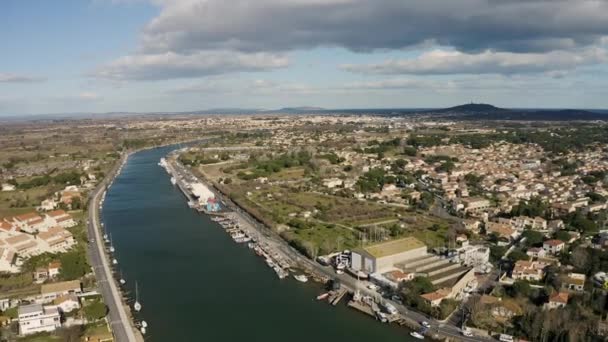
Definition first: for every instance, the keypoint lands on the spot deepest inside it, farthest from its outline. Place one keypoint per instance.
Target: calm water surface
(196, 284)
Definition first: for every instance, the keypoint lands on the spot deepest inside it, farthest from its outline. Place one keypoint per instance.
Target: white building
(201, 192)
(35, 318)
(56, 240)
(382, 257)
(60, 218)
(554, 246)
(473, 256)
(48, 204)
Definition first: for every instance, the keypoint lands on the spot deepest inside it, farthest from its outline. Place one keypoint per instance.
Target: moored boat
(301, 278)
(417, 335)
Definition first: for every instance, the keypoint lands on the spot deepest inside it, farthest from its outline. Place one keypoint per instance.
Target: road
(273, 240)
(117, 315)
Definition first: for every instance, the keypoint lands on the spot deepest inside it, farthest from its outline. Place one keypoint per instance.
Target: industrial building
(382, 257)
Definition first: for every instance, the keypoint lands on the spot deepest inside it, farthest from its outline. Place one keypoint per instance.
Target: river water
(196, 284)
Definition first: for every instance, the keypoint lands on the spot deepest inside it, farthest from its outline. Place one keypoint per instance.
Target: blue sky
(160, 55)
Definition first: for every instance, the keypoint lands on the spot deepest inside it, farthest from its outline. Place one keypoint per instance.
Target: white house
(553, 246)
(52, 291)
(48, 204)
(30, 223)
(60, 218)
(35, 318)
(57, 240)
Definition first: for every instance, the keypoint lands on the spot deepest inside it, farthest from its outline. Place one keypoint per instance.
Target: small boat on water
(173, 180)
(112, 249)
(122, 280)
(137, 305)
(143, 330)
(417, 335)
(114, 262)
(301, 278)
(323, 296)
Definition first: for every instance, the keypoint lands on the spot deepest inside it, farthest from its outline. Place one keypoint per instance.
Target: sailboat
(122, 280)
(111, 245)
(137, 305)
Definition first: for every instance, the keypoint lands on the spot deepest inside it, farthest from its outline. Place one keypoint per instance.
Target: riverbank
(268, 237)
(120, 318)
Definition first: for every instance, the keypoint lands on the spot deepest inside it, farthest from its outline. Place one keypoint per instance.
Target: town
(478, 229)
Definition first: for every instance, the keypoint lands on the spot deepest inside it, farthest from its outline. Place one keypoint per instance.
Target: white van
(505, 338)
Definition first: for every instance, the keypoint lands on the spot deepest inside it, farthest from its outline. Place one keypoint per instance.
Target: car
(372, 287)
(467, 332)
(425, 324)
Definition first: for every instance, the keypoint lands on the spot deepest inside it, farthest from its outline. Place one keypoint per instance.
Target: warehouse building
(382, 257)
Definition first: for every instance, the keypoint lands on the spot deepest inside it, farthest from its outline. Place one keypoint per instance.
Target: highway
(117, 315)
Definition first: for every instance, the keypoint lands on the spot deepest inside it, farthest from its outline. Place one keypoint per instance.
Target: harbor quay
(283, 258)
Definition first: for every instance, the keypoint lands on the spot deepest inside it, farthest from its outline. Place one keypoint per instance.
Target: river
(196, 284)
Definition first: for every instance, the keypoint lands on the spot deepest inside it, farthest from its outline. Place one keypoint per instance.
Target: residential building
(528, 270)
(35, 318)
(554, 246)
(57, 240)
(52, 291)
(574, 282)
(557, 300)
(60, 218)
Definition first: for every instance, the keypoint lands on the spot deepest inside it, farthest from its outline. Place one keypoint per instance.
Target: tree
(410, 151)
(520, 288)
(517, 254)
(95, 311)
(73, 265)
(533, 238)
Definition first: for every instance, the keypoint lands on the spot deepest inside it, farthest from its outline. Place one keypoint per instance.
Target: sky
(72, 56)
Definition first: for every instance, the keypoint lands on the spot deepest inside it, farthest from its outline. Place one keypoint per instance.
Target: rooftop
(393, 247)
(29, 309)
(60, 287)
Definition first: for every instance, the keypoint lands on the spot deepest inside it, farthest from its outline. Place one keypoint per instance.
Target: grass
(42, 337)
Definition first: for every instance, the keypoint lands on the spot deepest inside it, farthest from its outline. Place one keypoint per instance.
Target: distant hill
(482, 111)
(472, 108)
(301, 109)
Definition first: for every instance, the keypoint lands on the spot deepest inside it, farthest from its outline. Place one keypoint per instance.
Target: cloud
(186, 26)
(441, 62)
(14, 78)
(170, 65)
(249, 87)
(89, 96)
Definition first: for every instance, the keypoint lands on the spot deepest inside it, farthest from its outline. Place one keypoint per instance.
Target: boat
(143, 330)
(122, 280)
(111, 245)
(417, 335)
(144, 324)
(137, 305)
(114, 261)
(173, 180)
(323, 296)
(301, 278)
(381, 316)
(281, 273)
